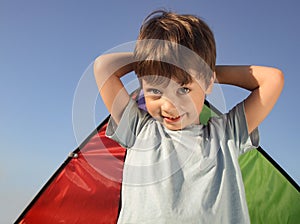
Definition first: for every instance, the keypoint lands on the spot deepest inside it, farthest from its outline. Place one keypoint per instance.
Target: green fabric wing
(271, 198)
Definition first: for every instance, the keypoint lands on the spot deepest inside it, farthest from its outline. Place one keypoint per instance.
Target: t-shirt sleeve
(237, 130)
(131, 122)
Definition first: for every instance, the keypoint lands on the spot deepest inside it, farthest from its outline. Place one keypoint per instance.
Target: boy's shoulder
(217, 118)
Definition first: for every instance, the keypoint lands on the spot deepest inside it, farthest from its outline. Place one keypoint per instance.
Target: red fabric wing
(86, 190)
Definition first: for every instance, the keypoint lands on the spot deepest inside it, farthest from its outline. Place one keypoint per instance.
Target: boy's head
(175, 60)
(176, 47)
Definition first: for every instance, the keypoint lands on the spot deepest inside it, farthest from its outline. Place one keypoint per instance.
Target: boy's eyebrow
(155, 85)
(147, 88)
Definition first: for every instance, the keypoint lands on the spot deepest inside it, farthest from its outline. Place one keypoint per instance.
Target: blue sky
(45, 47)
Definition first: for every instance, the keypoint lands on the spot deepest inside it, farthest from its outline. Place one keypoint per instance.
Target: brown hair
(163, 41)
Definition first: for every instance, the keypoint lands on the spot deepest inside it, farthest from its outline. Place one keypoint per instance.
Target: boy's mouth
(172, 119)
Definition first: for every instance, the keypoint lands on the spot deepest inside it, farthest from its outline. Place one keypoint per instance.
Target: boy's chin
(174, 127)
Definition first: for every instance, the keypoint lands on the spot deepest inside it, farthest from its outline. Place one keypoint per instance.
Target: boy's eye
(183, 90)
(154, 91)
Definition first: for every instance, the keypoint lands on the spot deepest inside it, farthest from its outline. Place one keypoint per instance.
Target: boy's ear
(211, 84)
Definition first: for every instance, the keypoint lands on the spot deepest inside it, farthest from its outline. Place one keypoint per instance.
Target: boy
(176, 169)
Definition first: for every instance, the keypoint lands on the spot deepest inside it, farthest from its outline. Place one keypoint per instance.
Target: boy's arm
(265, 84)
(108, 69)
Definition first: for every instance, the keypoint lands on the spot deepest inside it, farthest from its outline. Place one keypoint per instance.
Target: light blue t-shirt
(186, 176)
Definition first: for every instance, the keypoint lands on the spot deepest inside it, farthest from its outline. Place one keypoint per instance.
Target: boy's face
(175, 106)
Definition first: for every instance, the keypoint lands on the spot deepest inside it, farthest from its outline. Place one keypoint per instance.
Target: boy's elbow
(278, 78)
(100, 68)
(98, 64)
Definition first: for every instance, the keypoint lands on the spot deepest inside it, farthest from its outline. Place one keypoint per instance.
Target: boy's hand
(265, 84)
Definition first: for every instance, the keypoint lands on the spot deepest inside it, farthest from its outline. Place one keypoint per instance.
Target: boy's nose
(169, 107)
